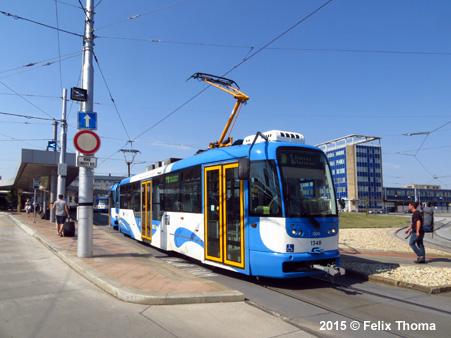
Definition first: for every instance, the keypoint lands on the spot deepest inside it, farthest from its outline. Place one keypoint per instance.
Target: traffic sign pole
(85, 187)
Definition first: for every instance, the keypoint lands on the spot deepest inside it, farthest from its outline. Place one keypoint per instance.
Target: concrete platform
(126, 271)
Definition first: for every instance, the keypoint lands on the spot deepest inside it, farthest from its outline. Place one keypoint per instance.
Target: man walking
(61, 211)
(416, 238)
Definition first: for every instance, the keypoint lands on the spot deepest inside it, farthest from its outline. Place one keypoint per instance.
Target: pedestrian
(61, 211)
(417, 234)
(28, 207)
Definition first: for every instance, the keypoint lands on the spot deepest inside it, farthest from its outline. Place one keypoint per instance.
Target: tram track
(347, 289)
(403, 301)
(330, 310)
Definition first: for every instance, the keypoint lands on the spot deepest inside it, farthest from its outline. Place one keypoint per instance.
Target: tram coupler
(331, 269)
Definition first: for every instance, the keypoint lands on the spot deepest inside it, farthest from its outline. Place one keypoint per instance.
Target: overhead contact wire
(236, 66)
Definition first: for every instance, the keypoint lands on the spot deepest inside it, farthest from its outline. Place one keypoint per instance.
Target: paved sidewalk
(126, 271)
(42, 296)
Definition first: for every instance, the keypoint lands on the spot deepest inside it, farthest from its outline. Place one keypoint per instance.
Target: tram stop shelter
(42, 165)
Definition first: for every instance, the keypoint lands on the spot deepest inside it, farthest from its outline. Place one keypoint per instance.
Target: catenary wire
(338, 50)
(16, 17)
(434, 177)
(27, 116)
(67, 4)
(31, 68)
(82, 7)
(100, 1)
(46, 62)
(14, 139)
(236, 66)
(111, 96)
(59, 45)
(23, 98)
(140, 15)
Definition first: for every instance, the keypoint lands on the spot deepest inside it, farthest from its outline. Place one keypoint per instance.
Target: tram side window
(191, 196)
(171, 192)
(124, 199)
(265, 198)
(131, 198)
(178, 191)
(136, 199)
(157, 198)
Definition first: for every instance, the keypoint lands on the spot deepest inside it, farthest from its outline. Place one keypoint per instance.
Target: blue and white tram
(101, 204)
(273, 214)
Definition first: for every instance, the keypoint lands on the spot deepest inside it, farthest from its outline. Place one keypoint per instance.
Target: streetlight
(133, 153)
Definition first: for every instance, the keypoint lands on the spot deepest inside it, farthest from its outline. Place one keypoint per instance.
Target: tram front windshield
(307, 183)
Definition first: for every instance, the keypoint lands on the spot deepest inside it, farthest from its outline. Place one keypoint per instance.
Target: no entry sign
(87, 142)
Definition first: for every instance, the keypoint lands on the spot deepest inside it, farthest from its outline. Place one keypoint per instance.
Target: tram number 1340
(315, 242)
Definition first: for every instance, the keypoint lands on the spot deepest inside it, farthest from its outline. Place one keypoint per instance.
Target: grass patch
(350, 220)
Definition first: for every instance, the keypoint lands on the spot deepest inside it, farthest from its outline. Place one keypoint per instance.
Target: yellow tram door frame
(230, 231)
(212, 214)
(146, 209)
(221, 237)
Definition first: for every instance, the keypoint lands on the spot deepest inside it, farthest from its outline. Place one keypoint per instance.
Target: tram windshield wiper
(315, 223)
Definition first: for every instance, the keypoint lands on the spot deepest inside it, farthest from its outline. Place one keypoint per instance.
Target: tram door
(224, 215)
(146, 209)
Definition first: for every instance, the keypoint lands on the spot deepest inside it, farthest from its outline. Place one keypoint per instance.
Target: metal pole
(34, 206)
(62, 166)
(55, 133)
(52, 195)
(53, 176)
(85, 187)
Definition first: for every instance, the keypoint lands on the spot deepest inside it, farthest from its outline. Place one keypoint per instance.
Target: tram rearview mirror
(244, 168)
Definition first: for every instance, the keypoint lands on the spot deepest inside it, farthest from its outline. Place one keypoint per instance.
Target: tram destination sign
(87, 162)
(300, 159)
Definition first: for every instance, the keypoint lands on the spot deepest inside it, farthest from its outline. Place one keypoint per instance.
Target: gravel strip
(377, 240)
(380, 240)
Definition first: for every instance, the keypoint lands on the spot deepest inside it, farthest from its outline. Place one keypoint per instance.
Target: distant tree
(11, 197)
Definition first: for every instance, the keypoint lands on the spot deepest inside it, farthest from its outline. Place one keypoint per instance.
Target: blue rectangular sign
(87, 121)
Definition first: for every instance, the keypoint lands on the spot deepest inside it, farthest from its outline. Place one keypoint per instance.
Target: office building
(356, 163)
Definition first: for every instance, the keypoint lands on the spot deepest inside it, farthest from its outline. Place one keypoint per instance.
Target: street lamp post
(132, 153)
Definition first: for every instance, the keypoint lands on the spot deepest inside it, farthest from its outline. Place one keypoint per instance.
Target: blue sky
(378, 68)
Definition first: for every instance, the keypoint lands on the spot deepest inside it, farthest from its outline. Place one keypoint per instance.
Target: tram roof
(217, 155)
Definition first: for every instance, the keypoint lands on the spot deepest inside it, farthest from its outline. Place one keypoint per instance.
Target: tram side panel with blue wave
(282, 222)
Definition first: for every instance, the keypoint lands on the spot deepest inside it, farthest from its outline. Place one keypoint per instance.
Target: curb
(398, 283)
(127, 293)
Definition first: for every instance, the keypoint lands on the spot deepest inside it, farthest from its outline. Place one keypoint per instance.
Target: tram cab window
(306, 182)
(264, 190)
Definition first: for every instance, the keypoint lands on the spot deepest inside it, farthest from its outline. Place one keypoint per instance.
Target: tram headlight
(299, 233)
(293, 232)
